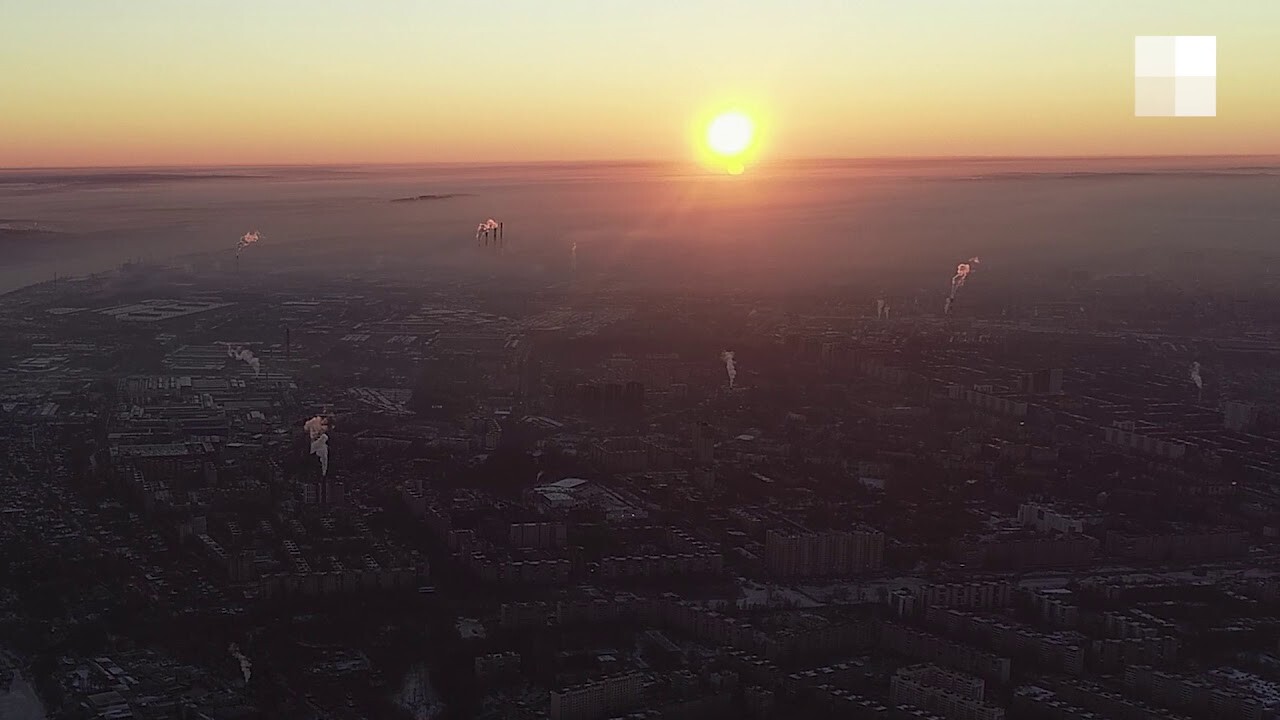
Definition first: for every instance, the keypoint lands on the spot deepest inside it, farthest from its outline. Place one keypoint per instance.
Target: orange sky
(155, 82)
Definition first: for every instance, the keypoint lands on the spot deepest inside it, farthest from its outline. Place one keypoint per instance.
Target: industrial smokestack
(730, 366)
(957, 281)
(246, 670)
(487, 228)
(318, 431)
(246, 240)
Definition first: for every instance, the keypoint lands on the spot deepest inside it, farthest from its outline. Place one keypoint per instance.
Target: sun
(730, 134)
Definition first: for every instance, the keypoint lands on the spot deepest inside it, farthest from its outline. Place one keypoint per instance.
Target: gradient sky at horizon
(203, 82)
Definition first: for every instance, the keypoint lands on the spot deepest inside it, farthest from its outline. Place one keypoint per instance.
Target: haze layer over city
(797, 222)
(579, 361)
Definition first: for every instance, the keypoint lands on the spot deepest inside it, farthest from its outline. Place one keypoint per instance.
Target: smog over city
(578, 361)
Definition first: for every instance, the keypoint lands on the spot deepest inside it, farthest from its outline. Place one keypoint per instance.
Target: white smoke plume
(730, 366)
(318, 430)
(957, 281)
(245, 668)
(573, 254)
(1195, 375)
(246, 240)
(887, 308)
(240, 353)
(487, 227)
(879, 308)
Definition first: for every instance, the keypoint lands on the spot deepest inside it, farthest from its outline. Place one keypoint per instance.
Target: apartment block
(953, 695)
(597, 699)
(823, 554)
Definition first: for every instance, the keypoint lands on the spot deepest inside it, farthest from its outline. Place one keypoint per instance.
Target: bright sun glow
(730, 134)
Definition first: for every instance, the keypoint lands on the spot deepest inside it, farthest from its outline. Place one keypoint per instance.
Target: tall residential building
(704, 443)
(818, 554)
(613, 394)
(1041, 382)
(951, 694)
(633, 397)
(1238, 416)
(1047, 518)
(597, 699)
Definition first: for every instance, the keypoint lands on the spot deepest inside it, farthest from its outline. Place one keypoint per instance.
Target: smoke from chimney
(573, 254)
(488, 228)
(246, 669)
(245, 355)
(1195, 378)
(879, 308)
(246, 240)
(957, 281)
(730, 366)
(318, 430)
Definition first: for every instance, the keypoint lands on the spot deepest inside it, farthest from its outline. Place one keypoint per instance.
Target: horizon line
(638, 161)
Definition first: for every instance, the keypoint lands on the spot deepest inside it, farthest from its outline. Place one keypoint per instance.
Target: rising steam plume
(246, 669)
(730, 366)
(246, 240)
(1195, 378)
(957, 281)
(489, 229)
(240, 353)
(318, 430)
